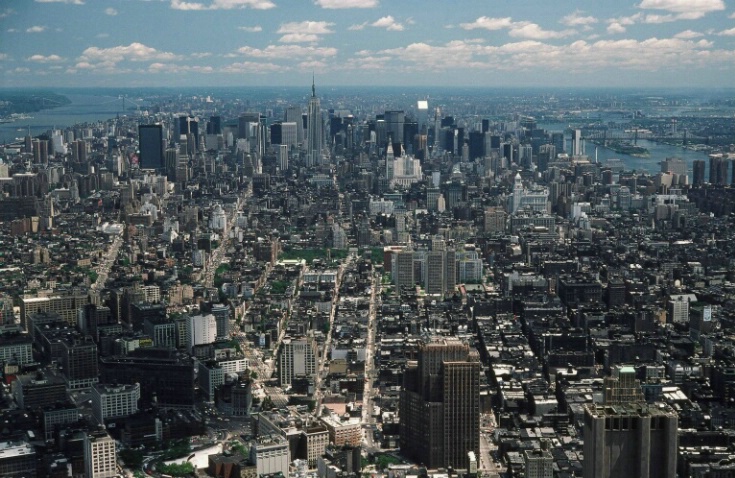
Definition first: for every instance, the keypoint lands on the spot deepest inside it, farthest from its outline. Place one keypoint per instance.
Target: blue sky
(367, 42)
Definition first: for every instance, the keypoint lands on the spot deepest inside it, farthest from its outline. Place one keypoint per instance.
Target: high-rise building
(404, 272)
(718, 165)
(538, 463)
(632, 439)
(314, 140)
(698, 168)
(297, 358)
(114, 401)
(293, 114)
(100, 458)
(577, 148)
(440, 404)
(202, 329)
(394, 123)
(150, 139)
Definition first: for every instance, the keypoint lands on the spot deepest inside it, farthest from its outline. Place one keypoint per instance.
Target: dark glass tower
(150, 138)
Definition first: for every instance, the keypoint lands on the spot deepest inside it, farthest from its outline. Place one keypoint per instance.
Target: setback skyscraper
(314, 134)
(440, 404)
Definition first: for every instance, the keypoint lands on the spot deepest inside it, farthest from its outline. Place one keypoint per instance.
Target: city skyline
(648, 43)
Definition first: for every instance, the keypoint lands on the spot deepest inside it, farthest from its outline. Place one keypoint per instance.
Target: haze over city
(367, 42)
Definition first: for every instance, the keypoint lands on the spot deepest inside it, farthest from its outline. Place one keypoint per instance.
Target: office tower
(150, 140)
(100, 458)
(165, 377)
(631, 439)
(440, 272)
(476, 145)
(410, 136)
(525, 156)
(79, 361)
(440, 404)
(222, 318)
(293, 114)
(485, 125)
(404, 273)
(282, 154)
(394, 122)
(674, 165)
(243, 123)
(297, 358)
(314, 134)
(546, 154)
(577, 142)
(718, 165)
(557, 139)
(215, 125)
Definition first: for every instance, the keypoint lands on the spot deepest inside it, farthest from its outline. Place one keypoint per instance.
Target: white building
(679, 308)
(270, 454)
(114, 401)
(297, 358)
(100, 458)
(219, 219)
(534, 199)
(202, 329)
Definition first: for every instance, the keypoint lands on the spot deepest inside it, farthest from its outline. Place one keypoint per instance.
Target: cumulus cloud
(616, 27)
(222, 5)
(287, 52)
(688, 34)
(577, 18)
(6, 13)
(255, 29)
(684, 9)
(358, 26)
(303, 32)
(107, 59)
(36, 29)
(389, 23)
(346, 3)
(45, 59)
(110, 11)
(488, 23)
(728, 33)
(515, 29)
(652, 54)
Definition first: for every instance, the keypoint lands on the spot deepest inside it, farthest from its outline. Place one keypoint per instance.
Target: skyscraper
(150, 139)
(626, 436)
(440, 404)
(698, 168)
(314, 134)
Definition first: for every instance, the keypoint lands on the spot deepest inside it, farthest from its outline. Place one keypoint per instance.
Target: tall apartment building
(100, 458)
(297, 358)
(202, 329)
(440, 404)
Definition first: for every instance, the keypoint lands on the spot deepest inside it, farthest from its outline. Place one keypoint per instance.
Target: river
(652, 164)
(83, 109)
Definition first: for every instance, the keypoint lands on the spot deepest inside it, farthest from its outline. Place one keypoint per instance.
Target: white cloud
(253, 67)
(615, 27)
(732, 15)
(684, 9)
(346, 3)
(515, 29)
(110, 11)
(71, 2)
(652, 54)
(201, 55)
(653, 18)
(299, 38)
(103, 35)
(45, 59)
(577, 18)
(303, 32)
(535, 32)
(357, 27)
(3, 56)
(255, 29)
(106, 59)
(688, 34)
(389, 23)
(174, 68)
(488, 23)
(36, 29)
(288, 52)
(222, 5)
(728, 33)
(6, 13)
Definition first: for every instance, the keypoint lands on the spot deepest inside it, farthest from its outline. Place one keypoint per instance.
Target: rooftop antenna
(313, 87)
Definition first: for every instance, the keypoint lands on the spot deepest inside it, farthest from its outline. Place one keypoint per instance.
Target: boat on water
(625, 147)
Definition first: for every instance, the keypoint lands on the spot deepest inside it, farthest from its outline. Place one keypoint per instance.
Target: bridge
(604, 135)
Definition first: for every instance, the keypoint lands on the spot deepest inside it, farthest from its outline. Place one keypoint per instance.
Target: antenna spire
(313, 87)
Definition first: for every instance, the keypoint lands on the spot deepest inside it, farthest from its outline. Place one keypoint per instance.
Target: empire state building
(314, 136)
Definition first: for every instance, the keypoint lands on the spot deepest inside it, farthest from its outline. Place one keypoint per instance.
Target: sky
(493, 43)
